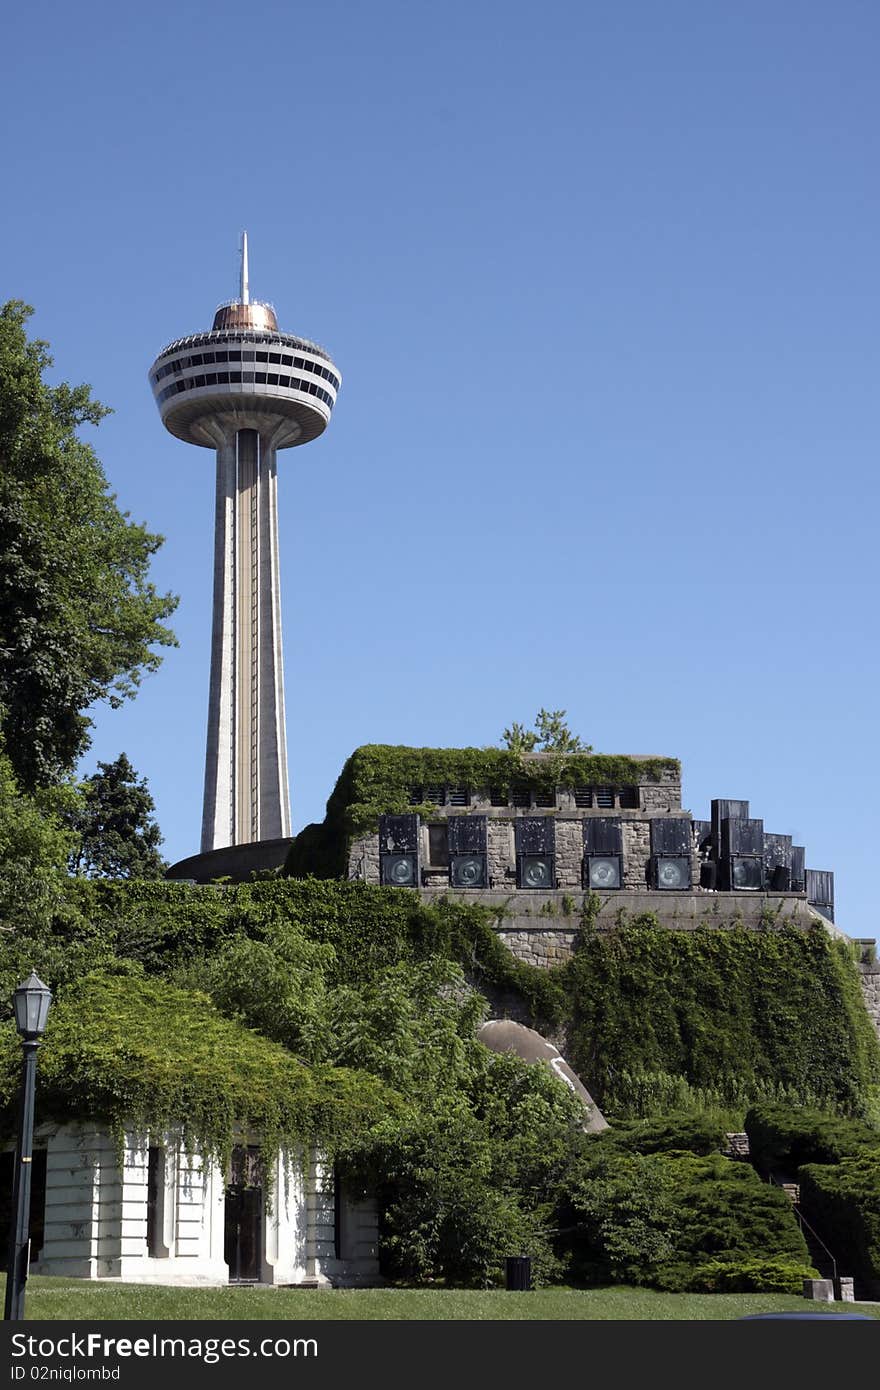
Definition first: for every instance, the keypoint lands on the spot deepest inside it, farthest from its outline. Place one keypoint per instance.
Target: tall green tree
(79, 619)
(117, 834)
(551, 734)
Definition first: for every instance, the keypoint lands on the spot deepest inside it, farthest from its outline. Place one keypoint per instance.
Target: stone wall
(363, 855)
(544, 931)
(870, 978)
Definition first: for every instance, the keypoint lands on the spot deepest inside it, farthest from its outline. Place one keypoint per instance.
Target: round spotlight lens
(401, 871)
(671, 874)
(604, 874)
(470, 873)
(537, 874)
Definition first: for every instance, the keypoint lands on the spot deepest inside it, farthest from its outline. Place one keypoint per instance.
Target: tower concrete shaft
(246, 789)
(246, 390)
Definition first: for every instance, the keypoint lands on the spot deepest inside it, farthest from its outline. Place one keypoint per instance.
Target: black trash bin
(519, 1272)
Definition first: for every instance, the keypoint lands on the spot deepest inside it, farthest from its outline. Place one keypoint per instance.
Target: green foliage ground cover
(358, 1006)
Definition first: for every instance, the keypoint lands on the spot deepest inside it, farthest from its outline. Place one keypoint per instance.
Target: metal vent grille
(436, 795)
(545, 799)
(414, 795)
(497, 797)
(458, 796)
(605, 797)
(521, 796)
(628, 798)
(583, 797)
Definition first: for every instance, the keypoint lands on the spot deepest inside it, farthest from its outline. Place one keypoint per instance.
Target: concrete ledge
(234, 862)
(561, 911)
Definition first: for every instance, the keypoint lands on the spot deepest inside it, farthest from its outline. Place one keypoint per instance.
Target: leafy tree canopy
(113, 819)
(78, 616)
(551, 734)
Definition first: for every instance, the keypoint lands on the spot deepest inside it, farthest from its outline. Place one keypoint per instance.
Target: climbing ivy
(661, 1019)
(653, 1019)
(138, 1054)
(378, 778)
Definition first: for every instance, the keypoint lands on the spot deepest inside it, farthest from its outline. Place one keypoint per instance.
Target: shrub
(679, 1130)
(842, 1201)
(653, 1218)
(784, 1138)
(750, 1276)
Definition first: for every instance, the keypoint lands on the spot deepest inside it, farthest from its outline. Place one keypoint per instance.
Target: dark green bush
(664, 1020)
(842, 1200)
(750, 1276)
(653, 1218)
(781, 1139)
(698, 1134)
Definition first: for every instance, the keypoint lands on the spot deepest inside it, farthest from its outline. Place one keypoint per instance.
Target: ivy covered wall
(377, 779)
(652, 1019)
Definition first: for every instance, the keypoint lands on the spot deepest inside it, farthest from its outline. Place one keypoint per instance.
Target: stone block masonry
(869, 975)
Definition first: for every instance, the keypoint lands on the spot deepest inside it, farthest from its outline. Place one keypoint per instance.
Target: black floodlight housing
(399, 851)
(777, 862)
(467, 834)
(741, 836)
(798, 871)
(671, 873)
(535, 835)
(467, 870)
(467, 851)
(702, 836)
(742, 873)
(535, 838)
(399, 870)
(602, 871)
(671, 835)
(724, 808)
(820, 891)
(535, 871)
(603, 835)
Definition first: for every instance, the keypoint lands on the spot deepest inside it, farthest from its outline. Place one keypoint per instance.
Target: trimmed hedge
(782, 1139)
(751, 1276)
(657, 1218)
(842, 1200)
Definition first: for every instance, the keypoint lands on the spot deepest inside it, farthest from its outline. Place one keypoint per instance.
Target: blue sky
(602, 284)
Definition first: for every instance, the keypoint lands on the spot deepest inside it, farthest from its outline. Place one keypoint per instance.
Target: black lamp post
(32, 1000)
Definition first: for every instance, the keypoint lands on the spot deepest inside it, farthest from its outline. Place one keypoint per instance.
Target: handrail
(802, 1221)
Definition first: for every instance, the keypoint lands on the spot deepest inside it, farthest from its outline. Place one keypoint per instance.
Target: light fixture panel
(603, 871)
(400, 870)
(536, 871)
(672, 873)
(467, 870)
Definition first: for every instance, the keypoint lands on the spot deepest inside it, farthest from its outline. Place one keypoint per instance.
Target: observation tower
(246, 390)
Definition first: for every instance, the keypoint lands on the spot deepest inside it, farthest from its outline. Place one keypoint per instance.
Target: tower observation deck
(246, 390)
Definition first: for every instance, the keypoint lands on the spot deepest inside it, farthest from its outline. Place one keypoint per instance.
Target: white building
(156, 1215)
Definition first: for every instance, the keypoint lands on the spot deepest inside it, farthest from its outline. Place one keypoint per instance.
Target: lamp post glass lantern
(31, 1003)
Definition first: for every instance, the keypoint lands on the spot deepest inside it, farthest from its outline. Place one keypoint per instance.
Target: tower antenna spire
(245, 292)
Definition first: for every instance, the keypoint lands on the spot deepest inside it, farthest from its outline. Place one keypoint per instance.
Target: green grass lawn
(80, 1299)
